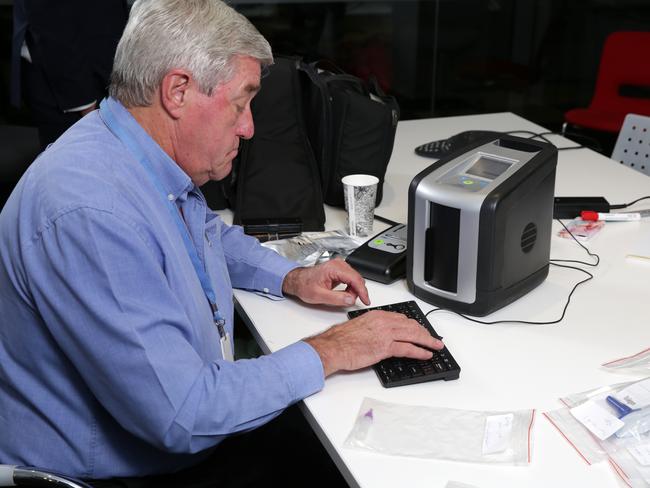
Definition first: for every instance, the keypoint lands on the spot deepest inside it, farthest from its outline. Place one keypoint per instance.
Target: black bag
(351, 126)
(312, 127)
(275, 174)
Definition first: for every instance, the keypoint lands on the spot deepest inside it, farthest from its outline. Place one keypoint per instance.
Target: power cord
(554, 262)
(595, 256)
(532, 134)
(595, 145)
(625, 205)
(385, 220)
(542, 136)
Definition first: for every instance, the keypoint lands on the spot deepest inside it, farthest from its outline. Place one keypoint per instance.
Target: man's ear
(174, 92)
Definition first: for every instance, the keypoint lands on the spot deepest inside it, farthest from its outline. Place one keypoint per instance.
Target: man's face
(215, 124)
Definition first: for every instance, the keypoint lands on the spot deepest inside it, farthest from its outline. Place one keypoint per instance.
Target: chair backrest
(633, 144)
(624, 67)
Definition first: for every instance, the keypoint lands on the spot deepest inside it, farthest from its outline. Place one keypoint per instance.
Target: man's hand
(371, 337)
(316, 284)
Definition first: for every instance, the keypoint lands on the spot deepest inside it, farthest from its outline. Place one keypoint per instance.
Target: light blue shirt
(110, 362)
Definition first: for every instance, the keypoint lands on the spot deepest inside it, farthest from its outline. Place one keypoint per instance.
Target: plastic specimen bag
(638, 363)
(443, 433)
(610, 423)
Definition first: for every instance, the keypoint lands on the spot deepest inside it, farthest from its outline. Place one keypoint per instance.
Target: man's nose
(246, 127)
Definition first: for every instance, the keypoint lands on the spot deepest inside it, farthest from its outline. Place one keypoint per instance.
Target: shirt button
(265, 290)
(170, 197)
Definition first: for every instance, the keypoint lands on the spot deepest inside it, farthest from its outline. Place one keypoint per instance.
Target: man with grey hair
(116, 279)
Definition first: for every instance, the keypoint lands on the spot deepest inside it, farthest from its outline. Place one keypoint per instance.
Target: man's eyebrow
(252, 88)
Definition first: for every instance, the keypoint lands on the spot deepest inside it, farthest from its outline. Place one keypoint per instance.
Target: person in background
(116, 280)
(62, 54)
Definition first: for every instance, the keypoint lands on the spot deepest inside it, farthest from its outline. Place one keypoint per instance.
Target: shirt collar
(174, 180)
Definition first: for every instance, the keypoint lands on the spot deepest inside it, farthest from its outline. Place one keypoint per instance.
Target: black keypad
(405, 371)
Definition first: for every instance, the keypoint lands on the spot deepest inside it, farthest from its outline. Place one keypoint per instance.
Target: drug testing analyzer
(479, 224)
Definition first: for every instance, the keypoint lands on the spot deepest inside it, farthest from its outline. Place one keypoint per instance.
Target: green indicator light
(379, 241)
(468, 182)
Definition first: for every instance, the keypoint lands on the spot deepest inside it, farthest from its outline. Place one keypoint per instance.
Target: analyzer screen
(488, 168)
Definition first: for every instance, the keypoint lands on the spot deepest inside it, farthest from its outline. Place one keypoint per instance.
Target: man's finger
(339, 298)
(407, 350)
(410, 330)
(357, 285)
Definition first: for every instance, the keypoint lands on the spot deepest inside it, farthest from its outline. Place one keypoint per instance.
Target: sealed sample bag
(312, 127)
(443, 433)
(610, 423)
(638, 363)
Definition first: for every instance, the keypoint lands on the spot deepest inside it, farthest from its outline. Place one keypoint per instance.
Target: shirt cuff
(303, 368)
(269, 281)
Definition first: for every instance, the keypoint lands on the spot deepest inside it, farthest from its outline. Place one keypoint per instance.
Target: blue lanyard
(128, 140)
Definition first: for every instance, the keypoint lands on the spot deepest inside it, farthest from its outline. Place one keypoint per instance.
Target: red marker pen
(610, 217)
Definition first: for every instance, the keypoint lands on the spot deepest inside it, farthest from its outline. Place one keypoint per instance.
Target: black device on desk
(382, 258)
(272, 229)
(444, 147)
(405, 371)
(479, 233)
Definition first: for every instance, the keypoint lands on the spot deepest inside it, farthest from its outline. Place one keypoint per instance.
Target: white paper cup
(359, 192)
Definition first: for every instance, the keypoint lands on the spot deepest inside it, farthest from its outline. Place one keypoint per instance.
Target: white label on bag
(636, 395)
(641, 453)
(599, 421)
(498, 430)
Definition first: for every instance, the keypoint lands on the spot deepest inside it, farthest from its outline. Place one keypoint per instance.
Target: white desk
(504, 367)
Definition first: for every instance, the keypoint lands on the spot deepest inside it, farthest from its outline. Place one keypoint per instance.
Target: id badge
(226, 347)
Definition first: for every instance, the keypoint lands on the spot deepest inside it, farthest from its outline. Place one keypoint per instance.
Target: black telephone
(444, 147)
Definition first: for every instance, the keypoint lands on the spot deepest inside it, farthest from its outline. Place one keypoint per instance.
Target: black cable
(542, 135)
(568, 148)
(532, 134)
(596, 256)
(596, 146)
(526, 322)
(554, 262)
(625, 205)
(385, 220)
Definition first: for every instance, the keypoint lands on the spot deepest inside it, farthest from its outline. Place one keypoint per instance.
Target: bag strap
(327, 65)
(325, 72)
(375, 86)
(311, 70)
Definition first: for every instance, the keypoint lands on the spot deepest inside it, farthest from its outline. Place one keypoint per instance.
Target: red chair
(622, 86)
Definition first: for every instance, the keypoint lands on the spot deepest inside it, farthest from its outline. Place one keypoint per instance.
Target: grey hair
(201, 36)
